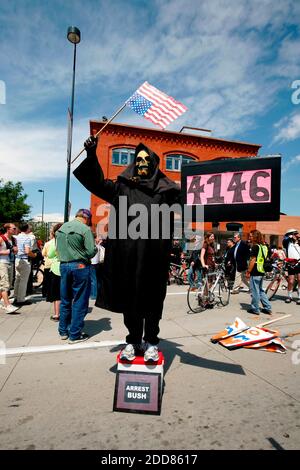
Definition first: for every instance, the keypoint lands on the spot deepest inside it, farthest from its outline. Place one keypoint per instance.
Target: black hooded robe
(135, 271)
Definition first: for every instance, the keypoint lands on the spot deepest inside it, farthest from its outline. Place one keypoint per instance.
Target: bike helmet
(291, 231)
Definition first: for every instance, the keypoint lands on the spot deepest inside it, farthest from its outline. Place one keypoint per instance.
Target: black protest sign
(234, 189)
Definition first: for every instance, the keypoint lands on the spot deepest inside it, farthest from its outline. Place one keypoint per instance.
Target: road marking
(56, 348)
(176, 293)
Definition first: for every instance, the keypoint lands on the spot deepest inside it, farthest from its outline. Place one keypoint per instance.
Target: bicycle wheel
(272, 288)
(223, 292)
(194, 300)
(37, 278)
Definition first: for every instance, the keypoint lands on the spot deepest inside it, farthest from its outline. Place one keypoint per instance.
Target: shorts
(6, 276)
(53, 288)
(292, 270)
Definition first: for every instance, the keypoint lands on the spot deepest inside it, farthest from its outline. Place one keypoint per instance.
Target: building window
(174, 162)
(122, 156)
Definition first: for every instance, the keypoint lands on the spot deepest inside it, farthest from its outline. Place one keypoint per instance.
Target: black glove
(90, 146)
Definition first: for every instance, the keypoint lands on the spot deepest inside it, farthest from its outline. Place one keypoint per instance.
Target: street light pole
(73, 36)
(42, 191)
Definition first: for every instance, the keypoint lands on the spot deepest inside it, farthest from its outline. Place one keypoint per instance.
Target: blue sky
(232, 63)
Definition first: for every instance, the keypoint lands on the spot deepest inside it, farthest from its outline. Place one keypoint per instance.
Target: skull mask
(143, 167)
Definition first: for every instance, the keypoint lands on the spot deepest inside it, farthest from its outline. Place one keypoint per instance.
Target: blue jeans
(94, 268)
(258, 294)
(75, 289)
(191, 276)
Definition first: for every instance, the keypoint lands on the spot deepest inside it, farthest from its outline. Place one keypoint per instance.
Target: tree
(13, 207)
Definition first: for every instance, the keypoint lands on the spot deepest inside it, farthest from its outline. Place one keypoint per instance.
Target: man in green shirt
(75, 247)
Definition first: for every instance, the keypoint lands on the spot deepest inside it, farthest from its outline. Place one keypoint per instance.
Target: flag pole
(99, 132)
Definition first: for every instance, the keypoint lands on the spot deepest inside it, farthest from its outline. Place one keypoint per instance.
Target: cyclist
(207, 255)
(292, 249)
(176, 252)
(207, 258)
(195, 264)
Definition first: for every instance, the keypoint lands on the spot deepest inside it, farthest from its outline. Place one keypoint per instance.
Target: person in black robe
(135, 270)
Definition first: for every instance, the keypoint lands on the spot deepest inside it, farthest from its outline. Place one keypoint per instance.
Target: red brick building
(118, 141)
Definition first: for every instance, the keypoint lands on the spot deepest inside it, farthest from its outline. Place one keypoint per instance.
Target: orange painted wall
(281, 227)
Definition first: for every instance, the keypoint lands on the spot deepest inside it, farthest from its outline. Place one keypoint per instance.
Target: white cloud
(288, 129)
(293, 161)
(38, 152)
(53, 217)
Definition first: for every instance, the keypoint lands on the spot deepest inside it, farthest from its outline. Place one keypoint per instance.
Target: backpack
(264, 264)
(9, 246)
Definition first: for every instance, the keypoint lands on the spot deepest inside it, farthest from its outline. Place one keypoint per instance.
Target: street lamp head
(40, 190)
(73, 35)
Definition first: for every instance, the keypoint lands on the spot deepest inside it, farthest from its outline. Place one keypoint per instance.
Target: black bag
(268, 265)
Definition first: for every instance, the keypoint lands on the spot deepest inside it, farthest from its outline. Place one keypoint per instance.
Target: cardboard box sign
(138, 392)
(242, 189)
(250, 336)
(237, 327)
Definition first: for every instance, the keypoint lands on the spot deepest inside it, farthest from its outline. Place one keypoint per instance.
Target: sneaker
(63, 337)
(128, 353)
(253, 311)
(288, 300)
(298, 302)
(54, 318)
(11, 309)
(82, 337)
(151, 353)
(20, 304)
(266, 311)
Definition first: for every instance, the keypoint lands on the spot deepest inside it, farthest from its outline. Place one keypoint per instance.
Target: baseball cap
(291, 231)
(86, 213)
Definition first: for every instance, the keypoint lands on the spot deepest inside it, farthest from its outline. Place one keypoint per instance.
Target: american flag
(155, 105)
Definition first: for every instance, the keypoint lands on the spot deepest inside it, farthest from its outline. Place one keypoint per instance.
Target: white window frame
(130, 155)
(177, 157)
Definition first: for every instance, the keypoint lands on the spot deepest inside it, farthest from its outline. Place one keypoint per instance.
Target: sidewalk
(213, 398)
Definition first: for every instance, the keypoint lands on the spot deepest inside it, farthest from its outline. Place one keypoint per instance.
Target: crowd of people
(19, 249)
(244, 262)
(73, 257)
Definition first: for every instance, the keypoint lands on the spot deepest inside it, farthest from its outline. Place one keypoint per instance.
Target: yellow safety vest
(260, 260)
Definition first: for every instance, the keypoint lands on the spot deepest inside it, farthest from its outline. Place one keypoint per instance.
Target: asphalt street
(57, 396)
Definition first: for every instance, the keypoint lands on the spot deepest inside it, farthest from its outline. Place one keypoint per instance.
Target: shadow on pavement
(245, 306)
(93, 327)
(275, 444)
(171, 350)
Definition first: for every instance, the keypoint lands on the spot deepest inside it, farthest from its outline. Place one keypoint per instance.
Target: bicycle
(38, 274)
(280, 269)
(178, 272)
(213, 290)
